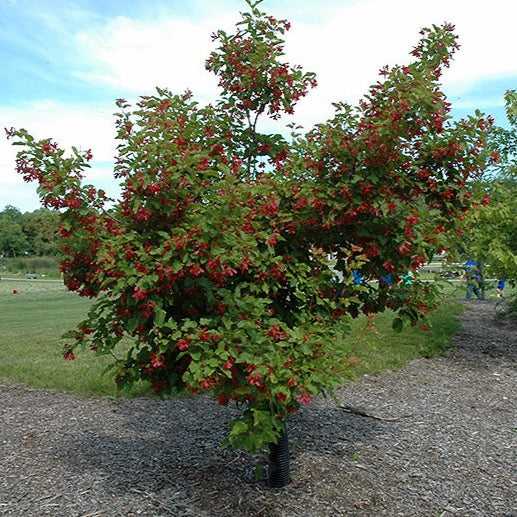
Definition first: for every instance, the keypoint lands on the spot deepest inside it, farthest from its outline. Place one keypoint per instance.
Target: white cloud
(138, 56)
(349, 47)
(82, 126)
(346, 43)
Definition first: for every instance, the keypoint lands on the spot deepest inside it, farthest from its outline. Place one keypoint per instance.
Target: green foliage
(13, 242)
(215, 259)
(41, 228)
(31, 233)
(494, 230)
(492, 236)
(48, 266)
(509, 309)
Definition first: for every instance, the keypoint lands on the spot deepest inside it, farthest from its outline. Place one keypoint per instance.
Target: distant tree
(13, 241)
(492, 228)
(12, 213)
(41, 229)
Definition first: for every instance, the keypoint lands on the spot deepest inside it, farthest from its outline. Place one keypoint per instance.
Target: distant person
(358, 277)
(473, 277)
(406, 279)
(500, 288)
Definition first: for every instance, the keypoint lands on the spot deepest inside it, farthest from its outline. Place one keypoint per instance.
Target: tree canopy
(215, 259)
(492, 228)
(29, 233)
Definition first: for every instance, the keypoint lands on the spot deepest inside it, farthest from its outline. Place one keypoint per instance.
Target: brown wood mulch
(436, 438)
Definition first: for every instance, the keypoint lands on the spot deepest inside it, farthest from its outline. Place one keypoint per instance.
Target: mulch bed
(436, 438)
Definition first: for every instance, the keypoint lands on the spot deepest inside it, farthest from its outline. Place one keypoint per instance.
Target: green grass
(381, 348)
(33, 320)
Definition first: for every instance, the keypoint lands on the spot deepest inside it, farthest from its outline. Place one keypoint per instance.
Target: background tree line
(30, 233)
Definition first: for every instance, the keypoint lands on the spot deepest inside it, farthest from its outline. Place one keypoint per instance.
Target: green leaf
(159, 318)
(224, 168)
(239, 427)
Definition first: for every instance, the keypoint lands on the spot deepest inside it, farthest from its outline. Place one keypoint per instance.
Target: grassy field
(33, 320)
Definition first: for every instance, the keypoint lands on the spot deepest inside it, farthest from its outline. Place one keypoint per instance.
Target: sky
(64, 62)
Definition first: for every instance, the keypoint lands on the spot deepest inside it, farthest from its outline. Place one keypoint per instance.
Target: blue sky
(63, 63)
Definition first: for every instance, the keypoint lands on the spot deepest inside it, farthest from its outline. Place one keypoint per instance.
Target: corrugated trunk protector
(279, 472)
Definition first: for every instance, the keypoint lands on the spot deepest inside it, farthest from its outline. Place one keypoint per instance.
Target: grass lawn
(33, 320)
(384, 349)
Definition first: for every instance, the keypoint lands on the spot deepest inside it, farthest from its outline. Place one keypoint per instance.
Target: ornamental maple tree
(215, 258)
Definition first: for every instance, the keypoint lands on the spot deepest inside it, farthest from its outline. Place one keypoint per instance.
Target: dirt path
(439, 440)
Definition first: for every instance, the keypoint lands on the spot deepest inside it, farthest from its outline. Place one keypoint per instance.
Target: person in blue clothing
(472, 275)
(500, 288)
(385, 281)
(358, 277)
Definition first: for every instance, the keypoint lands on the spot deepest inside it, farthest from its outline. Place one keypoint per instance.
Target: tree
(491, 235)
(41, 228)
(493, 231)
(13, 241)
(215, 261)
(494, 225)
